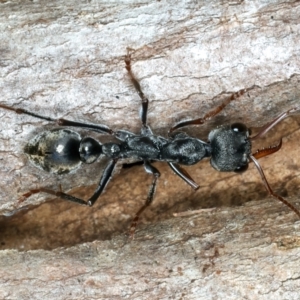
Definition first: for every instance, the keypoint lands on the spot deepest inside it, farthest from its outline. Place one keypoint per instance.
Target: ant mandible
(229, 148)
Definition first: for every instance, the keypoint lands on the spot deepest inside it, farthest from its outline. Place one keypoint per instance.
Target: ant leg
(178, 170)
(58, 194)
(98, 128)
(27, 112)
(270, 125)
(152, 170)
(268, 188)
(106, 175)
(211, 113)
(183, 174)
(61, 122)
(267, 151)
(146, 129)
(138, 88)
(90, 202)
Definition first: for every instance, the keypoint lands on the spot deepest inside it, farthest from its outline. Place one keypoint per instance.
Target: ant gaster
(229, 148)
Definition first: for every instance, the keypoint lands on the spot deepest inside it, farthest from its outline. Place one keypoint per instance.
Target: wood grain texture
(250, 252)
(67, 60)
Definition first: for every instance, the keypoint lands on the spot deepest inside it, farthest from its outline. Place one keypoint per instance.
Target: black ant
(229, 148)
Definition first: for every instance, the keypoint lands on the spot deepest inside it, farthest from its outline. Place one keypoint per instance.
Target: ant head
(55, 151)
(230, 148)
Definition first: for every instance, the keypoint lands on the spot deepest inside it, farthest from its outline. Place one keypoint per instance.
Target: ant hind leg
(61, 122)
(90, 202)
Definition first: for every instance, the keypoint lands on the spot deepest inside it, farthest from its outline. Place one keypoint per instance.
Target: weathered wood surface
(58, 223)
(250, 252)
(66, 60)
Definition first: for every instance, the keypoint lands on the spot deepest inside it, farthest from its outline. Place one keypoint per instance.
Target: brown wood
(251, 252)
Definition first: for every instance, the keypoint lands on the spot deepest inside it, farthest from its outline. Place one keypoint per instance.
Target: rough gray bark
(66, 60)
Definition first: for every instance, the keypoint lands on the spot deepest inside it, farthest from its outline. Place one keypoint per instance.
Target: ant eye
(241, 169)
(239, 127)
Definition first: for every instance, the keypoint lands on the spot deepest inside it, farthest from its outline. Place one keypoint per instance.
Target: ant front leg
(270, 191)
(267, 151)
(90, 202)
(211, 113)
(183, 174)
(151, 170)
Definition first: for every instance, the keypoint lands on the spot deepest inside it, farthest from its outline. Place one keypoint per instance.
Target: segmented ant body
(229, 148)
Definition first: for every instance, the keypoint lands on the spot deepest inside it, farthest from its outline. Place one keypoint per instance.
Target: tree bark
(67, 61)
(251, 252)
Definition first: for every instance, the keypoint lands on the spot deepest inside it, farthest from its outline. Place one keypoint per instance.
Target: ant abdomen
(55, 151)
